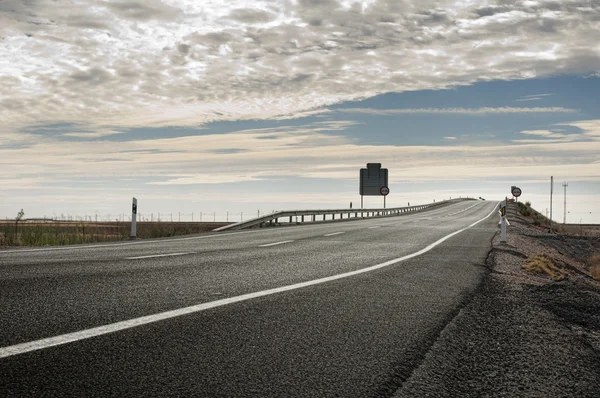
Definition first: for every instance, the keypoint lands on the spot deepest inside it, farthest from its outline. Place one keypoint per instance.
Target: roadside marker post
(503, 220)
(133, 218)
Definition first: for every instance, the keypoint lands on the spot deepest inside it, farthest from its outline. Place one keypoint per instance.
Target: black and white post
(133, 218)
(503, 221)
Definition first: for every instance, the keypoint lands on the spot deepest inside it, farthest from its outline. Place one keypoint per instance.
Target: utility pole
(565, 185)
(551, 192)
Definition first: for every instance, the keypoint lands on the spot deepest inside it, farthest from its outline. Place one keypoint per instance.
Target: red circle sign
(516, 192)
(384, 190)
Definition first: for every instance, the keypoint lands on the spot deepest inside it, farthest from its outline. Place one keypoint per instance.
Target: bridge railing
(328, 215)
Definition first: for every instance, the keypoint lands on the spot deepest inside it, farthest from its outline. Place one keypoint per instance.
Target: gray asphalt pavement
(358, 336)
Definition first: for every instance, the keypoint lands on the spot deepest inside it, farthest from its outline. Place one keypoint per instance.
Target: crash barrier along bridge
(312, 216)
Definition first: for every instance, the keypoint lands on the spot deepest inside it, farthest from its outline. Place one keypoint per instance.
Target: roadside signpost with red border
(516, 192)
(384, 191)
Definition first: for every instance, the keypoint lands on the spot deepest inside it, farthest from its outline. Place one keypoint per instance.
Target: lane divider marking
(276, 243)
(374, 227)
(131, 323)
(158, 255)
(335, 233)
(461, 211)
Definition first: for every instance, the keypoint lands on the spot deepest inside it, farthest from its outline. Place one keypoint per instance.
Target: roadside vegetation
(537, 219)
(57, 233)
(543, 264)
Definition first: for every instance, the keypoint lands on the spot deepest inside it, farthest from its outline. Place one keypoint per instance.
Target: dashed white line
(461, 211)
(374, 227)
(131, 323)
(276, 243)
(159, 255)
(335, 233)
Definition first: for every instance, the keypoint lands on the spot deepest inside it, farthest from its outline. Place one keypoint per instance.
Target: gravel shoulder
(523, 334)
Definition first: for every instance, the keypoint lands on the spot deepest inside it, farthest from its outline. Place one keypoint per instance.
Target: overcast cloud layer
(183, 62)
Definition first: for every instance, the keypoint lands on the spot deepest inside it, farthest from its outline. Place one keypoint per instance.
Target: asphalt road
(357, 335)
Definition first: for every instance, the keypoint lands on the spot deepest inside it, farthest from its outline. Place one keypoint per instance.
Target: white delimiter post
(133, 217)
(503, 222)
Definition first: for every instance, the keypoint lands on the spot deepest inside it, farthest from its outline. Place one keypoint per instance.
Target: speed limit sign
(384, 190)
(516, 192)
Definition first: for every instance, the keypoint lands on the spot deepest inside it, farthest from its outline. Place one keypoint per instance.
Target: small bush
(594, 264)
(543, 265)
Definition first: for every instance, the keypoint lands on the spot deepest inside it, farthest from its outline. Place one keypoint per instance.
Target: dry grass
(69, 233)
(542, 264)
(594, 264)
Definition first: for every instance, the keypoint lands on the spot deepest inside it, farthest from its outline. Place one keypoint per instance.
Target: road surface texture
(203, 316)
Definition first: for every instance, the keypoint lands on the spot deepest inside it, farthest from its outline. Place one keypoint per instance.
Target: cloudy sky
(238, 106)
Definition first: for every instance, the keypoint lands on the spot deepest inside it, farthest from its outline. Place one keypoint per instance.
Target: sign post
(551, 192)
(384, 191)
(516, 192)
(372, 179)
(133, 218)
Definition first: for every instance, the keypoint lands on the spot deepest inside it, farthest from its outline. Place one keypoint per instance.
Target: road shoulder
(522, 334)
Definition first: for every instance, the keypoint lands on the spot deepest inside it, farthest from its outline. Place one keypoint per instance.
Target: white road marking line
(131, 323)
(335, 233)
(159, 255)
(461, 211)
(276, 243)
(374, 227)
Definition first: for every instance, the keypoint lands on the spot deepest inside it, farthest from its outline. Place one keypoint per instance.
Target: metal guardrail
(271, 220)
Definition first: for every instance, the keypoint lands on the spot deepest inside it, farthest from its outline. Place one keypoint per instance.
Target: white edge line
(335, 233)
(128, 324)
(276, 243)
(158, 255)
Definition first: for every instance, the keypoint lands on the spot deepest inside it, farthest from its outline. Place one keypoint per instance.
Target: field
(57, 233)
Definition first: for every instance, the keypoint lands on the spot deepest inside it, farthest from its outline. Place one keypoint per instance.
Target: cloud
(535, 97)
(142, 10)
(311, 150)
(91, 134)
(455, 111)
(251, 16)
(206, 179)
(186, 63)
